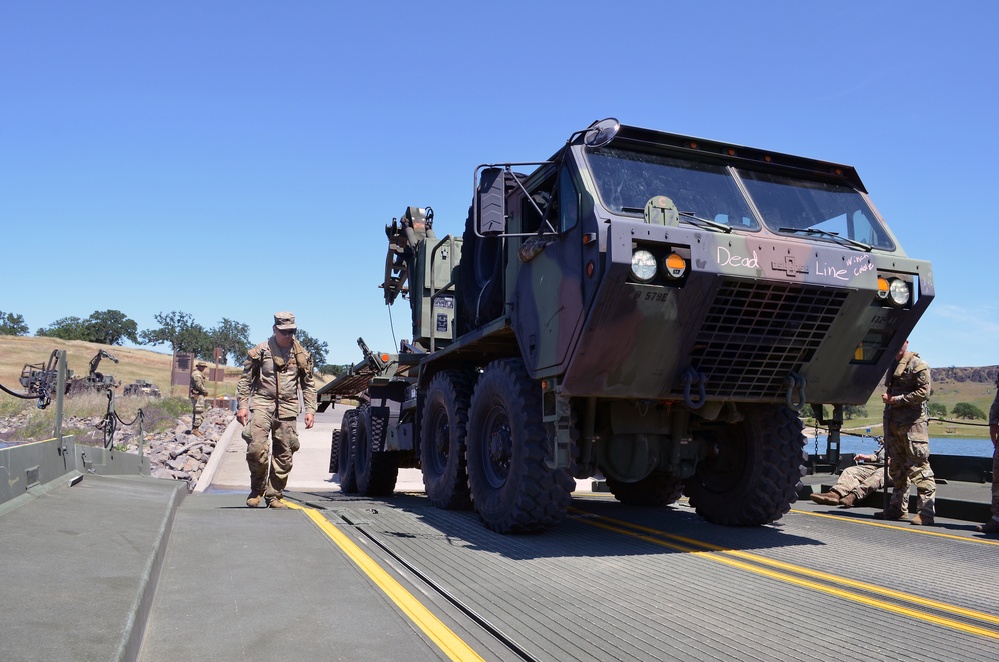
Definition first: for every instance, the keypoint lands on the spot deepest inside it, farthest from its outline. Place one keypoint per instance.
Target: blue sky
(232, 159)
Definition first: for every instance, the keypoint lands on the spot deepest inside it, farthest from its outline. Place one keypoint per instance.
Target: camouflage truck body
(652, 307)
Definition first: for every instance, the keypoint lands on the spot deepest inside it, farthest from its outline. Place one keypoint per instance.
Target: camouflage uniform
(993, 420)
(907, 435)
(862, 479)
(271, 381)
(197, 393)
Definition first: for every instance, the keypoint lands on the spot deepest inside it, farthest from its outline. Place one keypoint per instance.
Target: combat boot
(922, 520)
(277, 503)
(253, 500)
(992, 526)
(891, 513)
(198, 433)
(848, 500)
(825, 498)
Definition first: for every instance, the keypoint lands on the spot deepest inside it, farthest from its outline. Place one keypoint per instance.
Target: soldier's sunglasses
(286, 333)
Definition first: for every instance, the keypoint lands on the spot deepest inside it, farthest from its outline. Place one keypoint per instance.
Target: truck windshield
(627, 180)
(790, 205)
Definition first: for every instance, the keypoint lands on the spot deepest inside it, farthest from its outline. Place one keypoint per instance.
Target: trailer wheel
(376, 471)
(345, 453)
(481, 278)
(751, 475)
(334, 452)
(513, 490)
(656, 489)
(442, 440)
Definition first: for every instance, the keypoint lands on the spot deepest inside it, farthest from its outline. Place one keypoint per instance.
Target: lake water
(938, 446)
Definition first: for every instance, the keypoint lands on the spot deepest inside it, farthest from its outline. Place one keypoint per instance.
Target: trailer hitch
(795, 383)
(692, 377)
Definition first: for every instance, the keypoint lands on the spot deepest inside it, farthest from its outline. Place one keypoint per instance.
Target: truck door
(548, 301)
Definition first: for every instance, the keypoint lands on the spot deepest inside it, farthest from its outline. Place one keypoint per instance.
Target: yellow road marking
(452, 645)
(711, 552)
(915, 529)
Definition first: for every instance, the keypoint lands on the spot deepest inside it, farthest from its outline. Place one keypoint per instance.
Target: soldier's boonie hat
(200, 364)
(284, 321)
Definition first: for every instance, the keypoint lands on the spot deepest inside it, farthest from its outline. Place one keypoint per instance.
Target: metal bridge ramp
(80, 559)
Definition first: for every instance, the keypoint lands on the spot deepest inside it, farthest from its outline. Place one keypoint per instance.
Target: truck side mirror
(491, 202)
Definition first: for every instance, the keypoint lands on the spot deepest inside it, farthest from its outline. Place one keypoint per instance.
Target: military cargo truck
(143, 388)
(645, 306)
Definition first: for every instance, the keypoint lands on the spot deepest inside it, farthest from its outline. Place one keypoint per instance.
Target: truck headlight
(898, 292)
(643, 266)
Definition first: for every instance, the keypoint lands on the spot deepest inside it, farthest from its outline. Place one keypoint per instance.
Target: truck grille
(756, 333)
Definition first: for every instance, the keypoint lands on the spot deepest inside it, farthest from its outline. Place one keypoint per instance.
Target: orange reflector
(675, 266)
(385, 357)
(882, 288)
(589, 269)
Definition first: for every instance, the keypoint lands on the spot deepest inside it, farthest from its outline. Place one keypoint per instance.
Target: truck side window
(569, 202)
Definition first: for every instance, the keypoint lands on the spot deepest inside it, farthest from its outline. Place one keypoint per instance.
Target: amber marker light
(385, 357)
(882, 287)
(675, 266)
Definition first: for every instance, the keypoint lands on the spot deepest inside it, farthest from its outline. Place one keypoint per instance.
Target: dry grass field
(133, 363)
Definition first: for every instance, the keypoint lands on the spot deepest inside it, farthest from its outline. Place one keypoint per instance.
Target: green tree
(810, 412)
(12, 325)
(172, 326)
(233, 338)
(854, 411)
(315, 347)
(334, 370)
(937, 409)
(66, 328)
(198, 341)
(111, 327)
(967, 410)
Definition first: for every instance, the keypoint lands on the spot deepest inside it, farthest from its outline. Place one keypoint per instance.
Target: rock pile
(177, 454)
(181, 455)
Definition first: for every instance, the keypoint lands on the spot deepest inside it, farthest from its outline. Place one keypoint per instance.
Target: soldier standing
(907, 437)
(198, 391)
(992, 526)
(274, 374)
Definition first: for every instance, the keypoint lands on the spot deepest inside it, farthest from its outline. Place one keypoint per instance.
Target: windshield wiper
(700, 222)
(831, 235)
(705, 222)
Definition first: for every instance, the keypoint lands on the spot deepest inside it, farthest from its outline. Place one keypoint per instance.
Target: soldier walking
(274, 374)
(992, 526)
(907, 437)
(197, 392)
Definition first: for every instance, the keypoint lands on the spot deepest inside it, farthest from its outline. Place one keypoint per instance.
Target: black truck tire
(376, 471)
(752, 478)
(443, 446)
(656, 489)
(334, 452)
(513, 490)
(345, 454)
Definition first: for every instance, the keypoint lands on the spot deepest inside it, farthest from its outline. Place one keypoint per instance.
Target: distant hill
(986, 374)
(133, 363)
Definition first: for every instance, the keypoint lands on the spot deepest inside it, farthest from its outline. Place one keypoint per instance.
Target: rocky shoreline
(176, 454)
